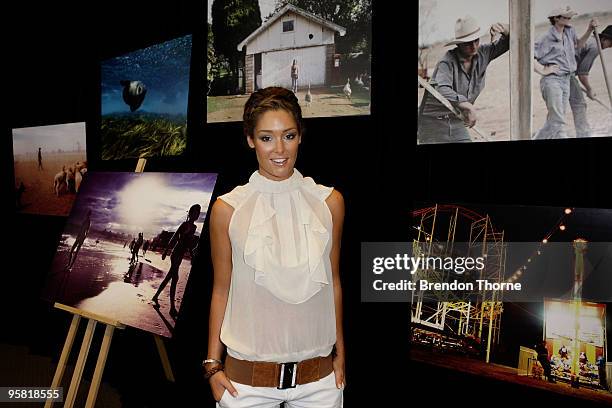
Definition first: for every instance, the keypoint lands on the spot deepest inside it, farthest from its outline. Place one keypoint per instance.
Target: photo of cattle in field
(50, 163)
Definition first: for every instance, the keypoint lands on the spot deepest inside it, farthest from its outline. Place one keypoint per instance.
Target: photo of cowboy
(464, 92)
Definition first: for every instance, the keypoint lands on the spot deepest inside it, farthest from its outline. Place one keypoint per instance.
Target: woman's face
(276, 140)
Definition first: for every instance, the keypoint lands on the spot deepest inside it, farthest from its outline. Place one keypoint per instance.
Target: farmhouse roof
(290, 7)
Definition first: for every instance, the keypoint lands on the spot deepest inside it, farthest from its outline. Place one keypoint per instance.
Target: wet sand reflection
(102, 281)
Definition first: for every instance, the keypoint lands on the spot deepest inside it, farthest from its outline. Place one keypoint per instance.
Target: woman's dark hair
(552, 19)
(271, 98)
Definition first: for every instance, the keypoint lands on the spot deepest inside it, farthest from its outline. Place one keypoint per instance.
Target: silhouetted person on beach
(136, 247)
(181, 241)
(40, 167)
(76, 247)
(145, 247)
(127, 277)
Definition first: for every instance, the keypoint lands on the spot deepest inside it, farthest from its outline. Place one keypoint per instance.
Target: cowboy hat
(563, 11)
(606, 33)
(467, 29)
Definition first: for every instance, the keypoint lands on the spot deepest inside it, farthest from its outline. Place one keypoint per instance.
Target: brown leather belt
(279, 375)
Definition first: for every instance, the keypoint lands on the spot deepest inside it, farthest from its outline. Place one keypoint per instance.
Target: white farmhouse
(290, 34)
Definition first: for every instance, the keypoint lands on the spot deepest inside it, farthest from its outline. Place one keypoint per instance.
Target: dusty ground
(39, 196)
(325, 102)
(493, 104)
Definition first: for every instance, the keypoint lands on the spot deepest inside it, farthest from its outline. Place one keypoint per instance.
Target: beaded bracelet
(212, 371)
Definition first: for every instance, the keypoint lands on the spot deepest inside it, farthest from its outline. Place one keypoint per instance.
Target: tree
(354, 15)
(232, 22)
(211, 58)
(426, 28)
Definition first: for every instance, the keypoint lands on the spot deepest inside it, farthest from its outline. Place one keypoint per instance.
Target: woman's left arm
(335, 202)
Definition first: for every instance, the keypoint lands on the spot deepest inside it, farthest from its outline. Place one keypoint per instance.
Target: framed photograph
(509, 70)
(561, 257)
(319, 50)
(127, 247)
(50, 163)
(144, 101)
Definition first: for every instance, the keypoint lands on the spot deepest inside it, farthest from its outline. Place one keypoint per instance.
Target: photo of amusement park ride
(550, 344)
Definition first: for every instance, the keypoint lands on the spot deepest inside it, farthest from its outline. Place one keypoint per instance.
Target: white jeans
(318, 394)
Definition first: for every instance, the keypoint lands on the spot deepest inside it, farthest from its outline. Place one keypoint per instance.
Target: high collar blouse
(280, 304)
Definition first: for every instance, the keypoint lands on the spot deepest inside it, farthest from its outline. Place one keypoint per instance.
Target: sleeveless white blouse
(280, 306)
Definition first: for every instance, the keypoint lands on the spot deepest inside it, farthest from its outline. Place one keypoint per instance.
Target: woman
(294, 76)
(80, 238)
(277, 300)
(181, 242)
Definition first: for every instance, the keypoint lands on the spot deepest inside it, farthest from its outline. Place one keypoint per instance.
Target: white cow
(59, 180)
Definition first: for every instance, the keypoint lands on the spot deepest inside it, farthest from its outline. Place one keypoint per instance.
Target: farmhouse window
(287, 26)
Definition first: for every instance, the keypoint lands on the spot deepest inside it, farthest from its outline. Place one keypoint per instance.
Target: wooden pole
(521, 67)
(603, 63)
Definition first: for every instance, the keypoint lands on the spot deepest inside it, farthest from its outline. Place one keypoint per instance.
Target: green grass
(141, 136)
(359, 96)
(215, 104)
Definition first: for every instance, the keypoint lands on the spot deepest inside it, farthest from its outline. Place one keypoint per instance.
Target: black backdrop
(51, 55)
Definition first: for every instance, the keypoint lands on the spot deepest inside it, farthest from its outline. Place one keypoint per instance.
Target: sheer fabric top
(280, 306)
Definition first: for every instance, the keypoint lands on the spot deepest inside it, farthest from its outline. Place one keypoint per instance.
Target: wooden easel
(93, 320)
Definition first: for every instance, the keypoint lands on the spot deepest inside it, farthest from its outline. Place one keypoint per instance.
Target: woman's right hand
(219, 383)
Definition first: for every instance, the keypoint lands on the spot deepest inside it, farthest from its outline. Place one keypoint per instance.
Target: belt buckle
(288, 376)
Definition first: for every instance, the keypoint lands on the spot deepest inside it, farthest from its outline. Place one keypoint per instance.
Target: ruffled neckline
(265, 185)
(285, 241)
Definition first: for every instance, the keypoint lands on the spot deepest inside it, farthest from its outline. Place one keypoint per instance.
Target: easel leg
(61, 364)
(97, 376)
(80, 364)
(142, 162)
(163, 355)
